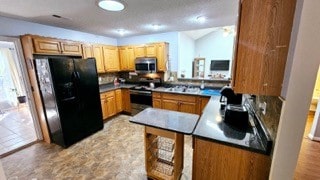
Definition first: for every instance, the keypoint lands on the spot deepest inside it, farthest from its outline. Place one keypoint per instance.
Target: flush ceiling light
(121, 32)
(156, 26)
(201, 19)
(111, 5)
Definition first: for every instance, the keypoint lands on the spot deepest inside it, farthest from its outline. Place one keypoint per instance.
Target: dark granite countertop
(111, 86)
(212, 127)
(168, 120)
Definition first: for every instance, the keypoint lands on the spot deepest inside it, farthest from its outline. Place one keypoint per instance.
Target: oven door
(140, 100)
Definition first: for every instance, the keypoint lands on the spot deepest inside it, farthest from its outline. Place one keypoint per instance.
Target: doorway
(309, 156)
(18, 125)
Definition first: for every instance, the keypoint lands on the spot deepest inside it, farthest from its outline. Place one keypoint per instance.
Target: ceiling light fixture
(156, 26)
(201, 19)
(111, 5)
(121, 32)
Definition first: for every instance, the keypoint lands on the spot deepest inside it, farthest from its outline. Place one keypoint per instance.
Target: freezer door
(89, 95)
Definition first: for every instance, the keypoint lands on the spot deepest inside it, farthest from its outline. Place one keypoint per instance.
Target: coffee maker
(229, 97)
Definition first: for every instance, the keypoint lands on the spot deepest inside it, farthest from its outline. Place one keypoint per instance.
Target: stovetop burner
(142, 88)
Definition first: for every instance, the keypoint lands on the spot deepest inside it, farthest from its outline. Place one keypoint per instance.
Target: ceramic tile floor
(16, 129)
(116, 152)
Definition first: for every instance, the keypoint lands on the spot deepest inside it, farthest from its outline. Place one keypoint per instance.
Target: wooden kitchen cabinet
(126, 103)
(177, 102)
(263, 40)
(139, 51)
(151, 50)
(87, 51)
(156, 100)
(203, 101)
(98, 54)
(111, 58)
(118, 95)
(108, 104)
(162, 56)
(126, 57)
(44, 45)
(213, 160)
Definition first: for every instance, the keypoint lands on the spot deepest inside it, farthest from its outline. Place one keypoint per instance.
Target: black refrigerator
(70, 95)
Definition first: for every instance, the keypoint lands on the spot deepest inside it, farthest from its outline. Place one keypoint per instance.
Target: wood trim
(27, 46)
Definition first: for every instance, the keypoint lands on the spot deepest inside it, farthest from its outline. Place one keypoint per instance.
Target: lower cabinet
(108, 104)
(119, 106)
(181, 103)
(218, 161)
(156, 100)
(203, 101)
(126, 103)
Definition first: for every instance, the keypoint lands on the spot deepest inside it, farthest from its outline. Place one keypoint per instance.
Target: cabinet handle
(281, 46)
(265, 84)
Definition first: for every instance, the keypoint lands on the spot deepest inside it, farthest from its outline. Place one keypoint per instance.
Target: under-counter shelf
(163, 153)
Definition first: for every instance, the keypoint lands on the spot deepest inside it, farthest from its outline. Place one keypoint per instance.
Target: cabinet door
(126, 104)
(98, 54)
(151, 50)
(71, 48)
(130, 58)
(170, 104)
(118, 100)
(123, 57)
(203, 101)
(139, 51)
(87, 51)
(111, 105)
(111, 58)
(103, 106)
(264, 35)
(156, 103)
(46, 46)
(188, 107)
(162, 56)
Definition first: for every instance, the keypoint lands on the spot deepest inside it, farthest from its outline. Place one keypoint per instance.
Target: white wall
(2, 175)
(215, 46)
(170, 37)
(13, 27)
(186, 54)
(302, 70)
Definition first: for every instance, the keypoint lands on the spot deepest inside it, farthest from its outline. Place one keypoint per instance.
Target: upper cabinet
(162, 56)
(54, 46)
(151, 50)
(98, 55)
(111, 58)
(126, 56)
(262, 48)
(87, 51)
(139, 51)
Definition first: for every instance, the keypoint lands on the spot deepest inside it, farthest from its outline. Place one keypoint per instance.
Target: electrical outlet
(263, 107)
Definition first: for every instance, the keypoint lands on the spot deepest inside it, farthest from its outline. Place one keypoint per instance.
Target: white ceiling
(136, 19)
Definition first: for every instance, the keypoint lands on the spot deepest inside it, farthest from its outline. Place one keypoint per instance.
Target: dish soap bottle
(202, 84)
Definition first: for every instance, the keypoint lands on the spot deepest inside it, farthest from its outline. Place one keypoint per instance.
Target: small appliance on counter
(229, 97)
(236, 115)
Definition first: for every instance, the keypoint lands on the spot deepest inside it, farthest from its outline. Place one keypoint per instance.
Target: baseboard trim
(313, 138)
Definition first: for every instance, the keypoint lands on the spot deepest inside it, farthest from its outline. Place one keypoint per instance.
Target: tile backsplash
(107, 78)
(273, 110)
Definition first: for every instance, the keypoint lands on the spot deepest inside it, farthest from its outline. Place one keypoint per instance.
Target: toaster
(236, 115)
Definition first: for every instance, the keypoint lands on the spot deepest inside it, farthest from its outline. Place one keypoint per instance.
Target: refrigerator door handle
(77, 75)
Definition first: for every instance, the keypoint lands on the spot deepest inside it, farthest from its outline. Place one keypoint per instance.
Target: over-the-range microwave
(146, 65)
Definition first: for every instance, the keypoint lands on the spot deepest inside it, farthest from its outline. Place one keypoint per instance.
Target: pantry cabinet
(263, 40)
(126, 57)
(111, 58)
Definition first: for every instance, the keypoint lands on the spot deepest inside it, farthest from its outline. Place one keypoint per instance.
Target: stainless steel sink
(183, 89)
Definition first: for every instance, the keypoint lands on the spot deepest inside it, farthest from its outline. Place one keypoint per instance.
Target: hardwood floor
(308, 166)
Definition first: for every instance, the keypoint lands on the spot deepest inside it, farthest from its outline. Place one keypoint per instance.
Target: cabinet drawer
(156, 95)
(179, 97)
